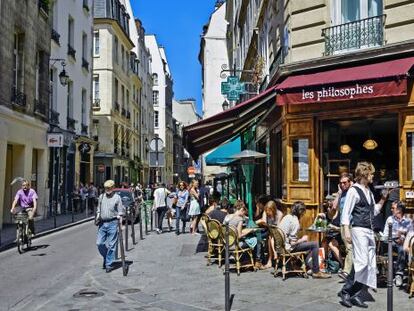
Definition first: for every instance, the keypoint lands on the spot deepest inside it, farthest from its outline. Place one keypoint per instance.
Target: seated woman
(236, 220)
(272, 215)
(290, 226)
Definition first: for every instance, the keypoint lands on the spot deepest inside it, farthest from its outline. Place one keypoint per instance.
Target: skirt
(194, 208)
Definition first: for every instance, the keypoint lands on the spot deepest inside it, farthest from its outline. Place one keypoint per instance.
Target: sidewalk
(167, 274)
(8, 233)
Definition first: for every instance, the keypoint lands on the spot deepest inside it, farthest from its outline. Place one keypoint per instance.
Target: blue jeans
(106, 241)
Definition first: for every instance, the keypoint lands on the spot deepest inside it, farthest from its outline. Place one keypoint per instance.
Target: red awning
(210, 133)
(384, 79)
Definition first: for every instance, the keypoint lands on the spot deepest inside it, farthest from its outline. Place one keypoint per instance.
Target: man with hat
(110, 211)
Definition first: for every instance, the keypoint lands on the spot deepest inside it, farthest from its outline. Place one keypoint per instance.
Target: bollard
(54, 213)
(127, 219)
(152, 220)
(146, 219)
(73, 215)
(125, 267)
(140, 221)
(133, 217)
(226, 271)
(390, 270)
(86, 207)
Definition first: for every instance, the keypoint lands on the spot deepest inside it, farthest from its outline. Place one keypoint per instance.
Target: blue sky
(178, 25)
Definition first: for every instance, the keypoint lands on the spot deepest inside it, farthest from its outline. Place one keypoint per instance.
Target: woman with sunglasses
(181, 207)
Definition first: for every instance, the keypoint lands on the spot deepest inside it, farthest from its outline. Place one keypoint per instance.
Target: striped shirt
(110, 207)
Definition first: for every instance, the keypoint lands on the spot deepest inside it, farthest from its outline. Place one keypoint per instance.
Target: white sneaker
(398, 280)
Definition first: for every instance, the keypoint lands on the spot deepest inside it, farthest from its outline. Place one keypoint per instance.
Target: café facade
(315, 124)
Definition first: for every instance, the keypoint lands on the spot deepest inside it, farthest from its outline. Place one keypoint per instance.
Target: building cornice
(115, 25)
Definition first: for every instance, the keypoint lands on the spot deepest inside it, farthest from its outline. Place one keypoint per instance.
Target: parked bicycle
(23, 234)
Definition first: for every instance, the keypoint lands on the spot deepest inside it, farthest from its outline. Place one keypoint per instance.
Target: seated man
(400, 226)
(214, 212)
(290, 226)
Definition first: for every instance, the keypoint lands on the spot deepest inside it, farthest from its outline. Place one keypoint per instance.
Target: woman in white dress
(194, 205)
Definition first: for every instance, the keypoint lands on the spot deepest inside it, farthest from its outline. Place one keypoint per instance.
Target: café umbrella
(248, 161)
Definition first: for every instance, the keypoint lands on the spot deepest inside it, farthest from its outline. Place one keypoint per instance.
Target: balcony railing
(54, 117)
(85, 64)
(116, 106)
(55, 36)
(278, 60)
(71, 124)
(123, 112)
(84, 129)
(40, 108)
(96, 104)
(18, 98)
(364, 33)
(71, 51)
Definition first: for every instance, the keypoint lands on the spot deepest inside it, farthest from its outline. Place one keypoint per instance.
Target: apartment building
(24, 91)
(70, 101)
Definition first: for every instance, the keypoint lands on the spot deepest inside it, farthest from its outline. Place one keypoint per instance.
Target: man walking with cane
(109, 213)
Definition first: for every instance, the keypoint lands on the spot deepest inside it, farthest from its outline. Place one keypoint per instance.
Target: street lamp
(247, 160)
(225, 105)
(63, 76)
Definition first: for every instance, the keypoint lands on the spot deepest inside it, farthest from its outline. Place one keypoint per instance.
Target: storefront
(330, 120)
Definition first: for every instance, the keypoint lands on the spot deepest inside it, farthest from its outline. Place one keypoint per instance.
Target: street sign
(153, 159)
(191, 170)
(54, 140)
(156, 142)
(233, 88)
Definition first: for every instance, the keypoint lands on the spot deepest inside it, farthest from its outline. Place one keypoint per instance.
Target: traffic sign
(191, 170)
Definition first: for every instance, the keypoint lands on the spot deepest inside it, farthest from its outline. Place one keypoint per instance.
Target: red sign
(101, 168)
(322, 94)
(191, 170)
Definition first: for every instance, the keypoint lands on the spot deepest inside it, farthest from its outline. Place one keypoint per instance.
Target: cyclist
(26, 201)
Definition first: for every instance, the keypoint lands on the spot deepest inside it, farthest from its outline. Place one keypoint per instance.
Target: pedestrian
(160, 205)
(84, 192)
(76, 199)
(171, 202)
(194, 211)
(26, 201)
(181, 207)
(138, 194)
(109, 213)
(92, 197)
(360, 204)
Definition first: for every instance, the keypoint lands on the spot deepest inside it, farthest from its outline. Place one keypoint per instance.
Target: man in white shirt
(360, 204)
(160, 205)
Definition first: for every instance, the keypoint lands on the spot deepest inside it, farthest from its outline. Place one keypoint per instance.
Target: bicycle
(23, 235)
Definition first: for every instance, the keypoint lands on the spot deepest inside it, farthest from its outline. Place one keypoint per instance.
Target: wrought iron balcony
(96, 104)
(278, 60)
(85, 64)
(71, 51)
(71, 124)
(55, 36)
(18, 98)
(84, 129)
(44, 6)
(364, 33)
(123, 112)
(116, 106)
(54, 117)
(40, 108)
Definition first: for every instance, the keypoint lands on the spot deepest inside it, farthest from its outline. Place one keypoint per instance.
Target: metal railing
(55, 36)
(71, 124)
(85, 64)
(18, 98)
(71, 51)
(84, 129)
(40, 107)
(96, 104)
(364, 33)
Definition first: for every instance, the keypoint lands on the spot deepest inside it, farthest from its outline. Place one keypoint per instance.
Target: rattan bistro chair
(411, 270)
(237, 250)
(286, 256)
(215, 241)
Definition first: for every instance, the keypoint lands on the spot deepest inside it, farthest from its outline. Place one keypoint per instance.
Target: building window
(96, 95)
(37, 75)
(84, 114)
(155, 79)
(155, 98)
(122, 57)
(70, 100)
(96, 43)
(156, 120)
(123, 96)
(18, 62)
(116, 50)
(71, 29)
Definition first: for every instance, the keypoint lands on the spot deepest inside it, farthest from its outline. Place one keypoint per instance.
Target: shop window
(300, 148)
(410, 155)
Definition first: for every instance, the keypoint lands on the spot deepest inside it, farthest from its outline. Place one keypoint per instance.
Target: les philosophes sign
(333, 92)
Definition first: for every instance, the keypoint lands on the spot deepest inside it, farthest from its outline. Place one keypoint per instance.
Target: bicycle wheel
(19, 239)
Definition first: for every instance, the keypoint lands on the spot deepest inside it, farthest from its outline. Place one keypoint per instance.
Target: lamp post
(247, 160)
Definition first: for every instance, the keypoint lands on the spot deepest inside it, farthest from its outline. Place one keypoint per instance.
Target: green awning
(223, 154)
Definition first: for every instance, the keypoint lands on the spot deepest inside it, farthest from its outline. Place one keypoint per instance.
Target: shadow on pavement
(202, 245)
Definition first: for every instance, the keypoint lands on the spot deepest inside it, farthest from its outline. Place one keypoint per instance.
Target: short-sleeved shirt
(25, 199)
(217, 215)
(290, 226)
